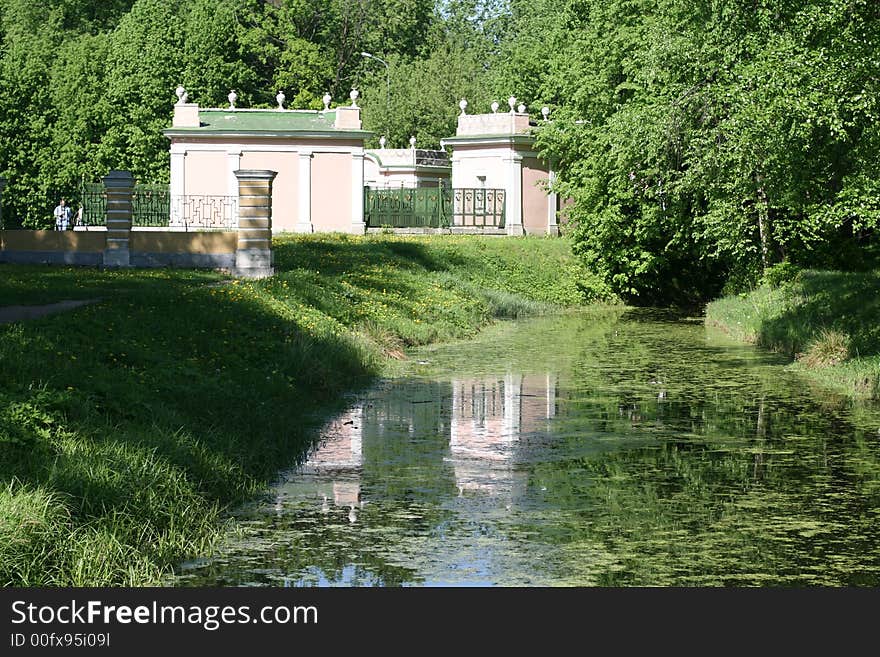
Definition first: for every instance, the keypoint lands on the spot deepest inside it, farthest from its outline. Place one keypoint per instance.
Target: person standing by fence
(62, 216)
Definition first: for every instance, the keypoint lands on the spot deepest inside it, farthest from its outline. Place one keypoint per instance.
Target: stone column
(253, 256)
(357, 194)
(119, 186)
(2, 187)
(304, 211)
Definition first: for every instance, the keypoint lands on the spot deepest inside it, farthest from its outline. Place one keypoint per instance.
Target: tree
(452, 62)
(701, 140)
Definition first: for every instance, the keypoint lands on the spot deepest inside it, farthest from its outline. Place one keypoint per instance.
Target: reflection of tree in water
(743, 480)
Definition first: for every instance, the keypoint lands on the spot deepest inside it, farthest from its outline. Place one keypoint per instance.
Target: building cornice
(416, 168)
(479, 140)
(203, 133)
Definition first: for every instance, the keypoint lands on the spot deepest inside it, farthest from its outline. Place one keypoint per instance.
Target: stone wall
(246, 251)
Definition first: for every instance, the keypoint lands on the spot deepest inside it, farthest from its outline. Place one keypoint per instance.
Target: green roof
(243, 121)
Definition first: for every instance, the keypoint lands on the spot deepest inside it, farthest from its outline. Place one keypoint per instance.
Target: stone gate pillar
(253, 255)
(118, 186)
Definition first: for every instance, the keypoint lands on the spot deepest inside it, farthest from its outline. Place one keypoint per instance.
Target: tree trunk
(763, 222)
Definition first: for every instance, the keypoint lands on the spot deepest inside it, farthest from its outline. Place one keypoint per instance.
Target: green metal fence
(151, 205)
(421, 207)
(93, 201)
(434, 207)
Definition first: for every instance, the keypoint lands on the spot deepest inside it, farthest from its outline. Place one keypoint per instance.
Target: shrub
(830, 347)
(780, 274)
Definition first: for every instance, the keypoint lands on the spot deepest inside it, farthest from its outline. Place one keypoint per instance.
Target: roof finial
(495, 106)
(545, 112)
(181, 95)
(412, 142)
(522, 108)
(280, 98)
(326, 99)
(463, 105)
(382, 142)
(512, 102)
(232, 97)
(354, 96)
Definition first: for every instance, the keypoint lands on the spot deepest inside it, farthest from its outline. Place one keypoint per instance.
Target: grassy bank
(127, 426)
(827, 322)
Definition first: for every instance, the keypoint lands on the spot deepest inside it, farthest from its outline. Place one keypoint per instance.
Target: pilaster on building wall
(304, 216)
(358, 225)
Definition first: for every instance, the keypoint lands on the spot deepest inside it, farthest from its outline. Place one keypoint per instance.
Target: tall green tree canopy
(709, 139)
(87, 86)
(699, 141)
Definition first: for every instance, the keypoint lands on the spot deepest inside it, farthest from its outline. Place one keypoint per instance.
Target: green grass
(129, 426)
(827, 322)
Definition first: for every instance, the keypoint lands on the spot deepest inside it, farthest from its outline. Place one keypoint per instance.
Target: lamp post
(387, 79)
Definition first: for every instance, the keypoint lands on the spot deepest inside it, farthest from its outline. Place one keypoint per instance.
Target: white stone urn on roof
(232, 97)
(495, 106)
(412, 142)
(512, 102)
(181, 95)
(382, 142)
(522, 108)
(280, 98)
(545, 112)
(463, 105)
(354, 96)
(326, 100)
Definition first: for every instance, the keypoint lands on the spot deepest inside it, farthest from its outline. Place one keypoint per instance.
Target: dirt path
(20, 313)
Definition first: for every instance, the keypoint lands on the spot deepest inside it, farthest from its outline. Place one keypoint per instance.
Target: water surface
(606, 448)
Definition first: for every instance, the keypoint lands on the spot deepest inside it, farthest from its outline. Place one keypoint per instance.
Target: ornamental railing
(93, 201)
(199, 212)
(419, 207)
(153, 206)
(434, 207)
(478, 207)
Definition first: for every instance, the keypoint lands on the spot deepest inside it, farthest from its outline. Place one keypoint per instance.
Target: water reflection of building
(335, 466)
(428, 441)
(490, 417)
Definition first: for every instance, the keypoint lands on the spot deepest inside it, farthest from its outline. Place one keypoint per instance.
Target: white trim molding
(358, 226)
(304, 213)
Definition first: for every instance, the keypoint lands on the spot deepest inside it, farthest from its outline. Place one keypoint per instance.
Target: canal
(612, 447)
